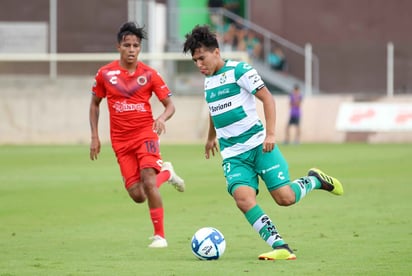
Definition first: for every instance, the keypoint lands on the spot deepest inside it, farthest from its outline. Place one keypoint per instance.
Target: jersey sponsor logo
(219, 93)
(124, 106)
(232, 176)
(277, 166)
(141, 80)
(218, 107)
(223, 92)
(113, 73)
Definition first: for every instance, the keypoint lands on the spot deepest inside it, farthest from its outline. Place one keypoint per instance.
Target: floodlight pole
(308, 69)
(389, 70)
(53, 38)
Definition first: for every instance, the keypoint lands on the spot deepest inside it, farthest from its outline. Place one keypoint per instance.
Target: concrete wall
(349, 37)
(38, 111)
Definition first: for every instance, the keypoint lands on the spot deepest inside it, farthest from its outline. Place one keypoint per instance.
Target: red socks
(162, 177)
(156, 215)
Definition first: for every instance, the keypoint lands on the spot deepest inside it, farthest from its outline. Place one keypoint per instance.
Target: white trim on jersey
(253, 142)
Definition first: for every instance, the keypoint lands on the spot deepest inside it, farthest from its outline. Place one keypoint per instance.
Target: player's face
(129, 49)
(208, 62)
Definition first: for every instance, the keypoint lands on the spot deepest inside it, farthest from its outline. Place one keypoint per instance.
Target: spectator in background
(276, 59)
(230, 38)
(295, 101)
(232, 6)
(249, 42)
(213, 6)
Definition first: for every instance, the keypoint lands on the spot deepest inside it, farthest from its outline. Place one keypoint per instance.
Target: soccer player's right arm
(211, 144)
(98, 93)
(94, 122)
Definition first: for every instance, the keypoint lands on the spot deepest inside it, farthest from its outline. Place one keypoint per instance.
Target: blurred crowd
(233, 36)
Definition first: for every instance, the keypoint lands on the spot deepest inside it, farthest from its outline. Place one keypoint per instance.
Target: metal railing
(269, 37)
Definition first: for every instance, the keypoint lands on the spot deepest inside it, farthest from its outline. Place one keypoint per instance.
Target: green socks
(264, 226)
(302, 186)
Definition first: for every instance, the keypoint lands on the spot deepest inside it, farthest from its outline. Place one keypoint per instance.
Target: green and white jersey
(230, 96)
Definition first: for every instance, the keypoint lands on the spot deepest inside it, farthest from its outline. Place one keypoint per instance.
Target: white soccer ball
(208, 243)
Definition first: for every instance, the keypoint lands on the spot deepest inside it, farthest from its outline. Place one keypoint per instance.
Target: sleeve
(160, 88)
(248, 78)
(98, 85)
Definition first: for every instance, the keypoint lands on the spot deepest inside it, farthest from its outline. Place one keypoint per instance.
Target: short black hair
(201, 36)
(131, 28)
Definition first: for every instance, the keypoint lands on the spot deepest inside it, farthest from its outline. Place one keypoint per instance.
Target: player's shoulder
(234, 63)
(109, 67)
(241, 66)
(143, 66)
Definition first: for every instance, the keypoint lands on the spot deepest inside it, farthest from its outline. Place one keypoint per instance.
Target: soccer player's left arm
(159, 125)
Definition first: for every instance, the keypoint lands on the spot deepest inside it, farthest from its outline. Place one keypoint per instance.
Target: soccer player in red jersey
(128, 85)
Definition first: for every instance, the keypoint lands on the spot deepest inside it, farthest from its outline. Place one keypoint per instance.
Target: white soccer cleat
(174, 179)
(158, 242)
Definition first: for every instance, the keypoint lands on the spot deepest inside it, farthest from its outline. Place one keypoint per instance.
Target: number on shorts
(151, 146)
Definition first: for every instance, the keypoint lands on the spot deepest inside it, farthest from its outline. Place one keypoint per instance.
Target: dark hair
(131, 28)
(201, 36)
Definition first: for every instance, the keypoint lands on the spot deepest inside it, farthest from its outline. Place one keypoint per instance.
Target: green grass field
(62, 214)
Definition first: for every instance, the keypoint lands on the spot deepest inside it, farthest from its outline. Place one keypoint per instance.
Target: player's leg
(287, 133)
(297, 130)
(129, 169)
(286, 193)
(242, 184)
(155, 204)
(150, 161)
(168, 174)
(245, 198)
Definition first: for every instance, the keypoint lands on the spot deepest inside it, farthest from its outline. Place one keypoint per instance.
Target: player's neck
(130, 67)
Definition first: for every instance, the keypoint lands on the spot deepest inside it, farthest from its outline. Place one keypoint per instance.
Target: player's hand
(211, 147)
(159, 126)
(94, 148)
(269, 143)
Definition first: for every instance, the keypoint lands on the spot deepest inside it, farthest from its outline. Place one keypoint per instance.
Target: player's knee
(137, 194)
(244, 204)
(138, 198)
(285, 199)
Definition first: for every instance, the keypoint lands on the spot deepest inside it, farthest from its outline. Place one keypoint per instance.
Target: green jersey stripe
(241, 139)
(227, 118)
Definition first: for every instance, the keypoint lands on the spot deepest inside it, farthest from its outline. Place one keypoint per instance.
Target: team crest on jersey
(223, 78)
(142, 80)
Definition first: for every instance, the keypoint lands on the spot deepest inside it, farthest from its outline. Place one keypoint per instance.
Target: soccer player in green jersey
(248, 147)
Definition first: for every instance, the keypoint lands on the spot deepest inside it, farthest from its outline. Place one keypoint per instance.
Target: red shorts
(134, 155)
